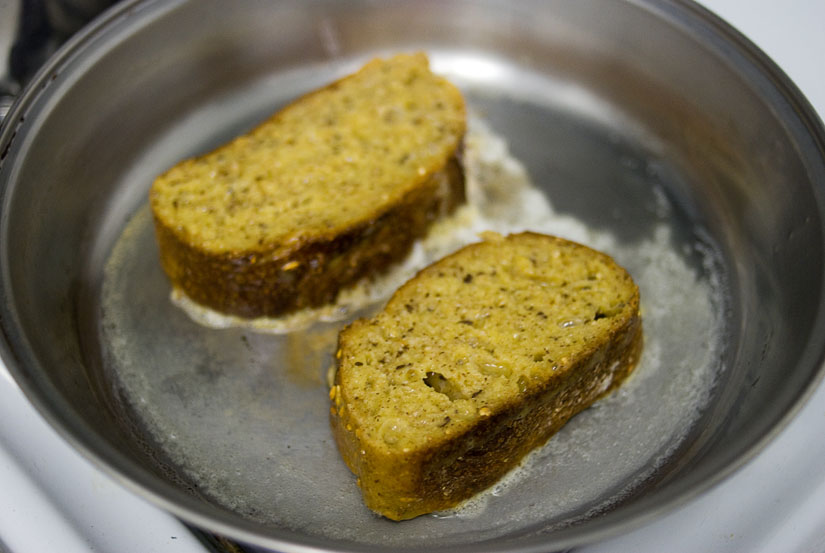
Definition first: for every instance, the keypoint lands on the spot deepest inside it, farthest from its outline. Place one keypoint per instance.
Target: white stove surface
(53, 499)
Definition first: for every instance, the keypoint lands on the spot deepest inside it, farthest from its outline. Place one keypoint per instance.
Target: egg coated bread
(334, 187)
(476, 361)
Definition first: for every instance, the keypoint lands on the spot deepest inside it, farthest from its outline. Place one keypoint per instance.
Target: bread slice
(335, 186)
(476, 361)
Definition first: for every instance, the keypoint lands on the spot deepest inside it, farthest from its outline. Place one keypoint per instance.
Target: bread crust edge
(273, 281)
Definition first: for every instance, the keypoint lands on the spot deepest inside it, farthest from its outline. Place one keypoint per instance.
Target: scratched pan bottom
(241, 417)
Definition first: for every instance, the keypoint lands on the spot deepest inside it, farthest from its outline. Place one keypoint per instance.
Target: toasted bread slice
(476, 361)
(335, 186)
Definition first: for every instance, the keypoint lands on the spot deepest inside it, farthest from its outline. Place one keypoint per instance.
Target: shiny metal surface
(605, 102)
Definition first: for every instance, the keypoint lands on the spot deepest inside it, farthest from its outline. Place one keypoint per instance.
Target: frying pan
(657, 132)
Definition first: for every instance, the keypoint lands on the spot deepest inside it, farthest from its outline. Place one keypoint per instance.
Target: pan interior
(242, 416)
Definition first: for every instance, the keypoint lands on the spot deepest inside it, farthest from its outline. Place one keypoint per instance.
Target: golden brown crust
(267, 284)
(452, 468)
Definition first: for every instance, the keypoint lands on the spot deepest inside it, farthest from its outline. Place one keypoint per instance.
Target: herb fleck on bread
(334, 187)
(476, 361)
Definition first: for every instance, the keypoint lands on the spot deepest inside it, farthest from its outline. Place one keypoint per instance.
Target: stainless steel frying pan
(670, 139)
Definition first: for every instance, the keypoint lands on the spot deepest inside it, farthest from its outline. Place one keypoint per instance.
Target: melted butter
(309, 355)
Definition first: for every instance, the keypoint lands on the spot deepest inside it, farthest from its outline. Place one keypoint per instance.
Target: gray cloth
(43, 26)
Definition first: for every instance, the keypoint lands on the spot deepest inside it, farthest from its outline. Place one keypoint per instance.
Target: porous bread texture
(334, 187)
(474, 362)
